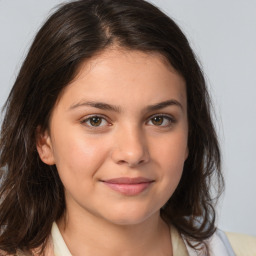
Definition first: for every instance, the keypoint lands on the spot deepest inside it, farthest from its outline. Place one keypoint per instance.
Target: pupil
(158, 120)
(95, 121)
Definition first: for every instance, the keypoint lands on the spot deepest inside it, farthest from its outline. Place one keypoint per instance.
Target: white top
(59, 245)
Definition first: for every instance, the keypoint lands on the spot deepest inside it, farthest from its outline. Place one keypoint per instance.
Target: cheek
(170, 156)
(171, 150)
(78, 156)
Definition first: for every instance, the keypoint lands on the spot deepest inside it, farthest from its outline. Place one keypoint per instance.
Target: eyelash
(170, 119)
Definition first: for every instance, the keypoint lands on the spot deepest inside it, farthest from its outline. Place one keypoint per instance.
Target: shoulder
(225, 243)
(2, 253)
(48, 251)
(218, 244)
(243, 245)
(18, 253)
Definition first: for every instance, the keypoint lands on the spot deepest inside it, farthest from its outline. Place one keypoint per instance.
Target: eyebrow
(164, 104)
(109, 107)
(99, 105)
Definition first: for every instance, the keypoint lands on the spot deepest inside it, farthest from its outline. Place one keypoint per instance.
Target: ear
(44, 146)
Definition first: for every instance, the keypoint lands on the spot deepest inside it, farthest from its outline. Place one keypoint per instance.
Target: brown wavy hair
(32, 195)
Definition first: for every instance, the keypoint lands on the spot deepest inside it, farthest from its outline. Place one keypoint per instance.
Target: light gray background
(223, 35)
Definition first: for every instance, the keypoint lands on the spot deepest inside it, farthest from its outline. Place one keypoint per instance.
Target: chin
(131, 217)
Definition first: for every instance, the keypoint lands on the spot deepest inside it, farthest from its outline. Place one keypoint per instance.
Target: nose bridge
(130, 146)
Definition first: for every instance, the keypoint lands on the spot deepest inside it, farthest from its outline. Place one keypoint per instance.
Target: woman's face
(118, 136)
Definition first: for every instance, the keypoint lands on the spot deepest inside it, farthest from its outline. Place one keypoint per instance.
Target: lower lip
(129, 189)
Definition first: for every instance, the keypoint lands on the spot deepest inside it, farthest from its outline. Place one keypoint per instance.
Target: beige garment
(243, 245)
(178, 245)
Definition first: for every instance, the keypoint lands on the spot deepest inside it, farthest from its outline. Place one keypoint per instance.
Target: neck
(91, 235)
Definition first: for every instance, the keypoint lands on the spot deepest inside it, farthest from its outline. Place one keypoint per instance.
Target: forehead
(118, 74)
(117, 54)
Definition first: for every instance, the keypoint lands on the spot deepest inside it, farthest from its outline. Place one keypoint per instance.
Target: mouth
(128, 186)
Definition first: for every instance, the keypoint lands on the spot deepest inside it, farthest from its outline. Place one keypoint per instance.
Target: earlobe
(44, 146)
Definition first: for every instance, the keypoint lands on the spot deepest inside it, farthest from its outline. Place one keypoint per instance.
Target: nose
(130, 148)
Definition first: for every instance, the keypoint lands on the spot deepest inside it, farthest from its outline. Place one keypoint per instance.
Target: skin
(130, 139)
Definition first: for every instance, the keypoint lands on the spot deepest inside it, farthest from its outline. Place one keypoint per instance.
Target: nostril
(122, 162)
(131, 163)
(141, 161)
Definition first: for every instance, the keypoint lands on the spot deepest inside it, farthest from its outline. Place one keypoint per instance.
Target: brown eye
(95, 121)
(157, 120)
(161, 120)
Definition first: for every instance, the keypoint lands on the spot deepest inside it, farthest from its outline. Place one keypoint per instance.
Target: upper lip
(128, 180)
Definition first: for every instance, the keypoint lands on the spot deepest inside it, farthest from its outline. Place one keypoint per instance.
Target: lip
(128, 186)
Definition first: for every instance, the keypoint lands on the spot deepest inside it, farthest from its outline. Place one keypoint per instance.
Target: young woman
(107, 145)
